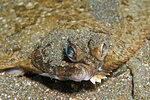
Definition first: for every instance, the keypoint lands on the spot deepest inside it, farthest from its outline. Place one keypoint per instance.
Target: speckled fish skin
(124, 42)
(126, 38)
(50, 58)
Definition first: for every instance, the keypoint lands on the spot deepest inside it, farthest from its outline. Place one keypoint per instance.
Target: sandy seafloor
(130, 81)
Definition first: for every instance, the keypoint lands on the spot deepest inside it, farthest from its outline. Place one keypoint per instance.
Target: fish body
(71, 55)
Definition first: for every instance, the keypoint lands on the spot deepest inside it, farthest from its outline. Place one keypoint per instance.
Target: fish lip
(79, 75)
(86, 72)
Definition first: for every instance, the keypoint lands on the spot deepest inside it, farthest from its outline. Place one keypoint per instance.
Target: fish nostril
(101, 64)
(89, 62)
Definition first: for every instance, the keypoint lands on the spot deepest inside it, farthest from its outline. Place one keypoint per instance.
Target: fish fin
(98, 77)
(15, 71)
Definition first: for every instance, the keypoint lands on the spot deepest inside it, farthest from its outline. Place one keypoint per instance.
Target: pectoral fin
(15, 72)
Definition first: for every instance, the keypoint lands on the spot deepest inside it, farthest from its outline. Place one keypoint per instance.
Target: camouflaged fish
(78, 55)
(67, 55)
(71, 55)
(83, 55)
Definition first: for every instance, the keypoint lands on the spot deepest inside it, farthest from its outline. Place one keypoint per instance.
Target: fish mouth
(78, 72)
(84, 72)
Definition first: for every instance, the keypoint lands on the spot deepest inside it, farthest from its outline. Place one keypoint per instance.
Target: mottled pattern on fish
(86, 60)
(50, 59)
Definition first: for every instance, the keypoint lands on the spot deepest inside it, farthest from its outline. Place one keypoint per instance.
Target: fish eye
(100, 50)
(104, 47)
(103, 50)
(71, 51)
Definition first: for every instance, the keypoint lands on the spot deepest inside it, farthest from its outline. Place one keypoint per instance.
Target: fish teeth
(98, 78)
(99, 81)
(92, 80)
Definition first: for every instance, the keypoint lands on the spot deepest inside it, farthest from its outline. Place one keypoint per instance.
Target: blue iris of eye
(103, 48)
(70, 51)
